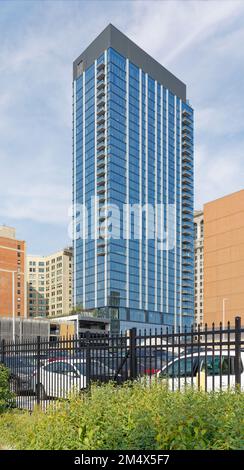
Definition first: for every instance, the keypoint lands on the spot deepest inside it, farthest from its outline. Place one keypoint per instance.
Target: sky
(201, 42)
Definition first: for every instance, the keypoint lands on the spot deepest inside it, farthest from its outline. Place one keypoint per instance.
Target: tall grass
(131, 417)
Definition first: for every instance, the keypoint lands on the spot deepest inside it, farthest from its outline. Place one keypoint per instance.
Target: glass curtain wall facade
(132, 144)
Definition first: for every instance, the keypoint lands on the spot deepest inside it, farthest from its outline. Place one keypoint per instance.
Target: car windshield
(97, 368)
(20, 363)
(218, 365)
(185, 367)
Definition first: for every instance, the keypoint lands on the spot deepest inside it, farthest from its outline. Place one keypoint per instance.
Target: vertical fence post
(237, 351)
(133, 371)
(38, 365)
(3, 350)
(88, 361)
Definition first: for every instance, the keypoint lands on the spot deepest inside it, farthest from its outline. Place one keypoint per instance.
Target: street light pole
(223, 319)
(223, 313)
(13, 303)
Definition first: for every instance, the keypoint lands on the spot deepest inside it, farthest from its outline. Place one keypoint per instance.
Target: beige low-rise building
(198, 266)
(49, 284)
(224, 259)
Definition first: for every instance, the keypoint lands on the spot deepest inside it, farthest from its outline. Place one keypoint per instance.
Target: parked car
(21, 370)
(57, 378)
(212, 371)
(151, 360)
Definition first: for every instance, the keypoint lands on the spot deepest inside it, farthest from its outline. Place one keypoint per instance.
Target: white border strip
(127, 186)
(140, 187)
(156, 199)
(106, 189)
(146, 192)
(74, 192)
(162, 193)
(96, 226)
(167, 200)
(181, 251)
(84, 190)
(175, 188)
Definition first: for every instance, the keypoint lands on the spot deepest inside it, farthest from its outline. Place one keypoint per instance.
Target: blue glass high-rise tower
(133, 174)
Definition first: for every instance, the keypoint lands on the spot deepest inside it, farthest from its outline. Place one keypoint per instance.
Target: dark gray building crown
(112, 37)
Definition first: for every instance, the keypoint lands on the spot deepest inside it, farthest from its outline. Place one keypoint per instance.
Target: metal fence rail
(42, 371)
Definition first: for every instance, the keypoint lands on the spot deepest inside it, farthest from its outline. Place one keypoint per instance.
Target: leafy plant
(131, 417)
(5, 394)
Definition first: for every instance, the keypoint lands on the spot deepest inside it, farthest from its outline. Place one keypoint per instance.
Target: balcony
(186, 121)
(101, 180)
(187, 218)
(101, 172)
(187, 187)
(100, 137)
(101, 66)
(188, 263)
(101, 164)
(186, 158)
(101, 151)
(186, 196)
(101, 218)
(100, 248)
(186, 210)
(189, 234)
(186, 144)
(186, 276)
(187, 137)
(186, 151)
(100, 93)
(101, 189)
(101, 127)
(186, 130)
(187, 169)
(101, 111)
(187, 298)
(100, 73)
(187, 248)
(187, 176)
(100, 119)
(101, 198)
(186, 112)
(187, 224)
(188, 204)
(187, 182)
(101, 145)
(101, 101)
(101, 84)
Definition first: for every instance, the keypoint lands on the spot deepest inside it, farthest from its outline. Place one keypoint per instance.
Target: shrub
(132, 417)
(5, 394)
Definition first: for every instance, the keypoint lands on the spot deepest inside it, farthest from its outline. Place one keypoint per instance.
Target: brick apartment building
(12, 267)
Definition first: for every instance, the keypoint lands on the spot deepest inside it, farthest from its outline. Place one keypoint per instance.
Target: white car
(58, 378)
(205, 370)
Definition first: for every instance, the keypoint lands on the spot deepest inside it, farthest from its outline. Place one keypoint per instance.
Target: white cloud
(220, 173)
(169, 29)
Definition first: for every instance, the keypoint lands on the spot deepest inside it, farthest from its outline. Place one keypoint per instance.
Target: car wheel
(42, 392)
(14, 385)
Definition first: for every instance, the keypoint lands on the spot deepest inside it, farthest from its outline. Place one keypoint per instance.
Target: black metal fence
(42, 371)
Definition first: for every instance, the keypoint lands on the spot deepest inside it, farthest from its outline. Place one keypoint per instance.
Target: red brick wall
(12, 258)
